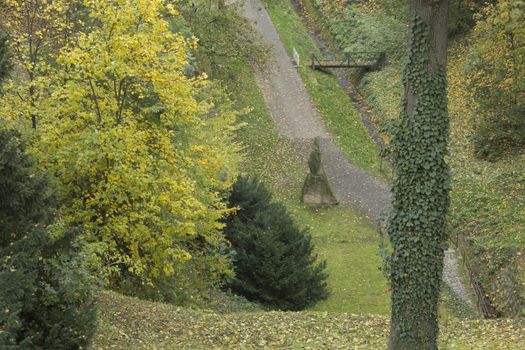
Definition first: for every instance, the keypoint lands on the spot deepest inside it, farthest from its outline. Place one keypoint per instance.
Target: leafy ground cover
(488, 201)
(130, 323)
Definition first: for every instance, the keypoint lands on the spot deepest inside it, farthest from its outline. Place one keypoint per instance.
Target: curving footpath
(297, 119)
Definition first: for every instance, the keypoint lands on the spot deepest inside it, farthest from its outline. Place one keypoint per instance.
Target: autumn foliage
(140, 151)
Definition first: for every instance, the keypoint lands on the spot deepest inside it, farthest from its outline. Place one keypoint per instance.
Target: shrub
(45, 292)
(274, 262)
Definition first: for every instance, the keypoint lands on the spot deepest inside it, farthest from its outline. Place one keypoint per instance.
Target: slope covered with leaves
(129, 323)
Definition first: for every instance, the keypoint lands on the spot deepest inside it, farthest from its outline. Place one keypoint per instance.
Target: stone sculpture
(316, 188)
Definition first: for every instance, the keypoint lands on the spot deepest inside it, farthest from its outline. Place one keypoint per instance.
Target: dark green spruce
(274, 260)
(45, 294)
(417, 226)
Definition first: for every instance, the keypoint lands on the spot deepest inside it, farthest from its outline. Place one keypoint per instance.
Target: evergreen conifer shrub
(274, 262)
(45, 294)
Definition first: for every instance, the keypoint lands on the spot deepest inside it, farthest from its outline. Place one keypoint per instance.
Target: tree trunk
(420, 191)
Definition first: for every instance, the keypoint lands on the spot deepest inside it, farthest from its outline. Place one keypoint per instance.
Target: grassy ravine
(343, 237)
(128, 324)
(340, 116)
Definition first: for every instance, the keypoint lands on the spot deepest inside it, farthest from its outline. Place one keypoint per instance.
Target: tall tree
(141, 151)
(421, 188)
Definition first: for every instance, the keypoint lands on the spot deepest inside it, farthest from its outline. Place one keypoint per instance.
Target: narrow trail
(297, 119)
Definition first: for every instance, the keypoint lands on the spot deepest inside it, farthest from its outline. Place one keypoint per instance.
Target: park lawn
(350, 245)
(357, 286)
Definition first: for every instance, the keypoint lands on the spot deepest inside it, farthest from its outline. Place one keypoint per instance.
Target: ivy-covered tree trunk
(420, 192)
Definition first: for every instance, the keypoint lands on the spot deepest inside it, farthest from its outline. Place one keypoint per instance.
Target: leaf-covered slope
(128, 323)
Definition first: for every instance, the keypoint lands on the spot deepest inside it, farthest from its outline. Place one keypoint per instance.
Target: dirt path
(344, 82)
(297, 119)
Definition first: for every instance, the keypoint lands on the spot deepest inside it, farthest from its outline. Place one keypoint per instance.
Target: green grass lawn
(332, 102)
(357, 285)
(350, 245)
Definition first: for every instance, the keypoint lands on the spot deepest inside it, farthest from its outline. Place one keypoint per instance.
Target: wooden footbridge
(367, 60)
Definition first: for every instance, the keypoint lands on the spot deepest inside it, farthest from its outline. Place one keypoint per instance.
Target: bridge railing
(370, 60)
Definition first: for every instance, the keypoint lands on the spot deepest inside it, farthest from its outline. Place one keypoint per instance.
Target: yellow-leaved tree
(142, 153)
(36, 28)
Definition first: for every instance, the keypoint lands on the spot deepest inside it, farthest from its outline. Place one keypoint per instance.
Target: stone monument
(316, 189)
